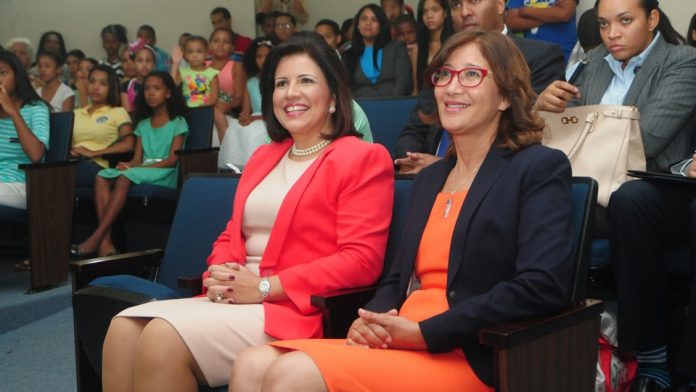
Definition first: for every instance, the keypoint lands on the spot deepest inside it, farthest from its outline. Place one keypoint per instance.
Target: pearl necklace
(303, 152)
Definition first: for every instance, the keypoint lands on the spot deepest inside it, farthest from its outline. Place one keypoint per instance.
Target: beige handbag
(601, 141)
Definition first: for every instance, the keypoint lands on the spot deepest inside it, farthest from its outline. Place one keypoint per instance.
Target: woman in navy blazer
(509, 255)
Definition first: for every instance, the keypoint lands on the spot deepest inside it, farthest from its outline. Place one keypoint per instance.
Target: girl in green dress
(161, 130)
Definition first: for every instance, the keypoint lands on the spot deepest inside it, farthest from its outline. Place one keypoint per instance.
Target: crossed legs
(266, 368)
(147, 355)
(109, 198)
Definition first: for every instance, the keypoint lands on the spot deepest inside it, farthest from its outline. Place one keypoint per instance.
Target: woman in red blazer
(311, 214)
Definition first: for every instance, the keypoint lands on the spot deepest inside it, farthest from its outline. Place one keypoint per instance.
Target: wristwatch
(264, 287)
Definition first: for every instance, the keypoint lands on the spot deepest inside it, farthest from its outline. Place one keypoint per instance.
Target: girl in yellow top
(100, 128)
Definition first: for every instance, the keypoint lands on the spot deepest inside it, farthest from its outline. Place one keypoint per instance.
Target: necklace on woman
(303, 152)
(455, 187)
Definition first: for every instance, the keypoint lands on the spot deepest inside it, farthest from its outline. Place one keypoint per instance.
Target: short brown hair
(314, 46)
(519, 125)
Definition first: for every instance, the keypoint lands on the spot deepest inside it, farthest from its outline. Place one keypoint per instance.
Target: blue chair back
(204, 208)
(200, 123)
(60, 138)
(584, 194)
(402, 196)
(388, 117)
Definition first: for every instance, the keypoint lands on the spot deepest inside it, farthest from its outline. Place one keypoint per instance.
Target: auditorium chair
(49, 187)
(387, 117)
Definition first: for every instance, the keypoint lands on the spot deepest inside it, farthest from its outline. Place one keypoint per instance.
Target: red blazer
(330, 233)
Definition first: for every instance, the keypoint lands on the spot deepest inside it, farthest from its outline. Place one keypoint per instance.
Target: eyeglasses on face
(283, 26)
(468, 77)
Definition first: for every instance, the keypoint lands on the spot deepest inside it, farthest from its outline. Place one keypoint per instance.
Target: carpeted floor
(36, 335)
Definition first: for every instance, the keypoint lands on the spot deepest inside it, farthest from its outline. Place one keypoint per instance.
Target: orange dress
(352, 368)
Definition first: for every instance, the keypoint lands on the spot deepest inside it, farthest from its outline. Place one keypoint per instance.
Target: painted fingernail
(230, 289)
(231, 277)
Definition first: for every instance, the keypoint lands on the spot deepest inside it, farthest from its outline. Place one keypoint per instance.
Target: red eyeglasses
(468, 77)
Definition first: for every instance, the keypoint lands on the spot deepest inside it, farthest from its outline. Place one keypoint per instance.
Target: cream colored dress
(216, 333)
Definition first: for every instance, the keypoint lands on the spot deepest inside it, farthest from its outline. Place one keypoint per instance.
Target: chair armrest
(133, 263)
(522, 331)
(194, 284)
(42, 165)
(349, 297)
(196, 151)
(202, 160)
(340, 308)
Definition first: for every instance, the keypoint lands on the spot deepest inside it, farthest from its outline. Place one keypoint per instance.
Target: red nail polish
(229, 289)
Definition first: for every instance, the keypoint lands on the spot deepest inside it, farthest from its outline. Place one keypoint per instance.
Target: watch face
(265, 287)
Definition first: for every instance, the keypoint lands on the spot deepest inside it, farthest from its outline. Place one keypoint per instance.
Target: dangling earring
(332, 109)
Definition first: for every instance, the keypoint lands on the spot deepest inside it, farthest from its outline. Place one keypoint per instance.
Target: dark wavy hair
(423, 37)
(690, 33)
(352, 56)
(664, 26)
(249, 60)
(118, 30)
(176, 104)
(53, 56)
(23, 88)
(519, 126)
(42, 43)
(313, 45)
(113, 97)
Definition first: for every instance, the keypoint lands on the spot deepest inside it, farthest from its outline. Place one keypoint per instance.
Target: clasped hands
(232, 283)
(385, 330)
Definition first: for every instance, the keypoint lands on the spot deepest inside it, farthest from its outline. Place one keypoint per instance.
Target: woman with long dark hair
(24, 129)
(377, 66)
(434, 26)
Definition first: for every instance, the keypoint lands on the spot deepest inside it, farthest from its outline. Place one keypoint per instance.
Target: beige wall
(80, 21)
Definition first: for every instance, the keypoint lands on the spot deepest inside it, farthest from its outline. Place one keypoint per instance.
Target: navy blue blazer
(511, 249)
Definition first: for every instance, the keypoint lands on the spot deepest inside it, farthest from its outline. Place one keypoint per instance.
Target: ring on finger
(219, 297)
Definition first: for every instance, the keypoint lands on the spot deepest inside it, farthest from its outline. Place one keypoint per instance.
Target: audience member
(21, 47)
(82, 98)
(346, 34)
(221, 18)
(199, 82)
(395, 8)
(113, 38)
(646, 219)
(72, 61)
(641, 64)
(127, 56)
(329, 29)
(588, 38)
(422, 141)
(315, 203)
(24, 129)
(147, 34)
(266, 24)
(452, 275)
(178, 51)
(51, 41)
(231, 78)
(248, 132)
(144, 63)
(434, 27)
(285, 26)
(548, 20)
(296, 8)
(60, 97)
(377, 65)
(161, 130)
(102, 127)
(691, 33)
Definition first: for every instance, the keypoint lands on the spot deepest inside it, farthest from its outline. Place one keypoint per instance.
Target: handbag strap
(590, 121)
